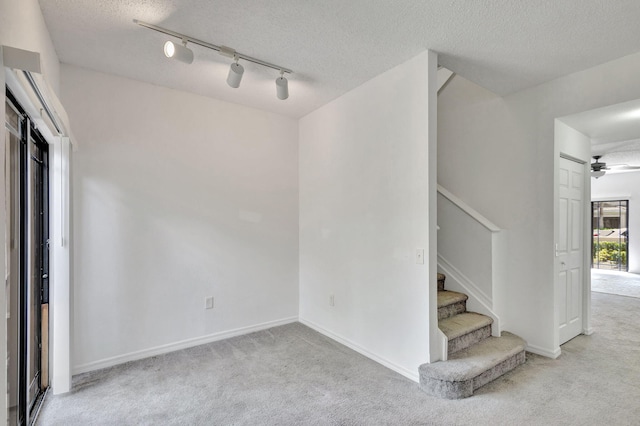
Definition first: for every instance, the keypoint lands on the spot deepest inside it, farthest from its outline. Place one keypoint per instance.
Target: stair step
(451, 303)
(473, 367)
(466, 329)
(441, 279)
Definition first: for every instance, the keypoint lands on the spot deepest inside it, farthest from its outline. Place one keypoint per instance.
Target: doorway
(27, 199)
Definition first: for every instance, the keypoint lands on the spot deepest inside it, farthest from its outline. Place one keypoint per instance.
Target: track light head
(282, 87)
(184, 54)
(178, 52)
(235, 74)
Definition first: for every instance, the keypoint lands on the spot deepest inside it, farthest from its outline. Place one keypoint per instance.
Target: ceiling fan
(599, 168)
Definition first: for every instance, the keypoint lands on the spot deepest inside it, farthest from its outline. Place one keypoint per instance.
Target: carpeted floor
(615, 282)
(291, 375)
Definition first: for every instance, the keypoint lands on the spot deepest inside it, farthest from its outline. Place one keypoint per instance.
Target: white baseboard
(172, 347)
(412, 375)
(543, 351)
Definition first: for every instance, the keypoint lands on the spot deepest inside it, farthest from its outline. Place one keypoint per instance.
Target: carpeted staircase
(475, 357)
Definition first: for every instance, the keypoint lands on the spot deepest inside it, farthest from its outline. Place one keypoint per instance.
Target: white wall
(364, 209)
(22, 26)
(623, 186)
(176, 197)
(498, 155)
(571, 142)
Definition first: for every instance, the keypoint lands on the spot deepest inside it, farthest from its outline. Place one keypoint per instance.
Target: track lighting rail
(223, 50)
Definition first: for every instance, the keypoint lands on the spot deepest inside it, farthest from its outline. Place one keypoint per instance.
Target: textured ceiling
(609, 126)
(614, 132)
(334, 46)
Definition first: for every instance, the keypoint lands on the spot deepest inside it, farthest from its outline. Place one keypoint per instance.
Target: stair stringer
(444, 341)
(478, 301)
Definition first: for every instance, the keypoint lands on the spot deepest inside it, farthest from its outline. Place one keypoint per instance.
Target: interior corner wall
(497, 154)
(176, 198)
(22, 26)
(364, 210)
(623, 186)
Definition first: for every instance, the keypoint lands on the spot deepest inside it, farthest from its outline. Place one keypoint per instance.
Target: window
(610, 247)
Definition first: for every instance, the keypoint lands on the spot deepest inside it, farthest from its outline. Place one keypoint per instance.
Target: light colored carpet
(615, 282)
(291, 375)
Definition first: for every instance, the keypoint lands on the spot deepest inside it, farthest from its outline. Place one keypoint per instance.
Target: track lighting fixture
(181, 53)
(184, 54)
(282, 86)
(235, 74)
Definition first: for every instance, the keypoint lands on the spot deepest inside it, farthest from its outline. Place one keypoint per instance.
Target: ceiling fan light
(598, 168)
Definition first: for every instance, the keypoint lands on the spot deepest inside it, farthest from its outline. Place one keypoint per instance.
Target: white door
(570, 249)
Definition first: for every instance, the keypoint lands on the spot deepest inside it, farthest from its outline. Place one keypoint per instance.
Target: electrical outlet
(208, 302)
(420, 256)
(332, 300)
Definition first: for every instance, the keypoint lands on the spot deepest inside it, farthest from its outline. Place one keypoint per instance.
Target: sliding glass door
(27, 287)
(610, 246)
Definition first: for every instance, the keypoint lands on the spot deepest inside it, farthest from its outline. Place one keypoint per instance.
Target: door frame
(60, 196)
(572, 145)
(38, 234)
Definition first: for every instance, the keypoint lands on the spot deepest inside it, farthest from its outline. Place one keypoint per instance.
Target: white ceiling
(334, 46)
(614, 132)
(608, 126)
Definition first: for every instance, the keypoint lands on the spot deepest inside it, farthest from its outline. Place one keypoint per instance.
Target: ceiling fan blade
(628, 169)
(623, 167)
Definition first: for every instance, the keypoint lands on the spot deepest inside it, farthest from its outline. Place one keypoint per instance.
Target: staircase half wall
(472, 254)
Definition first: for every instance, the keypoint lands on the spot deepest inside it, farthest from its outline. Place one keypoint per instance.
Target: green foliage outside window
(609, 251)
